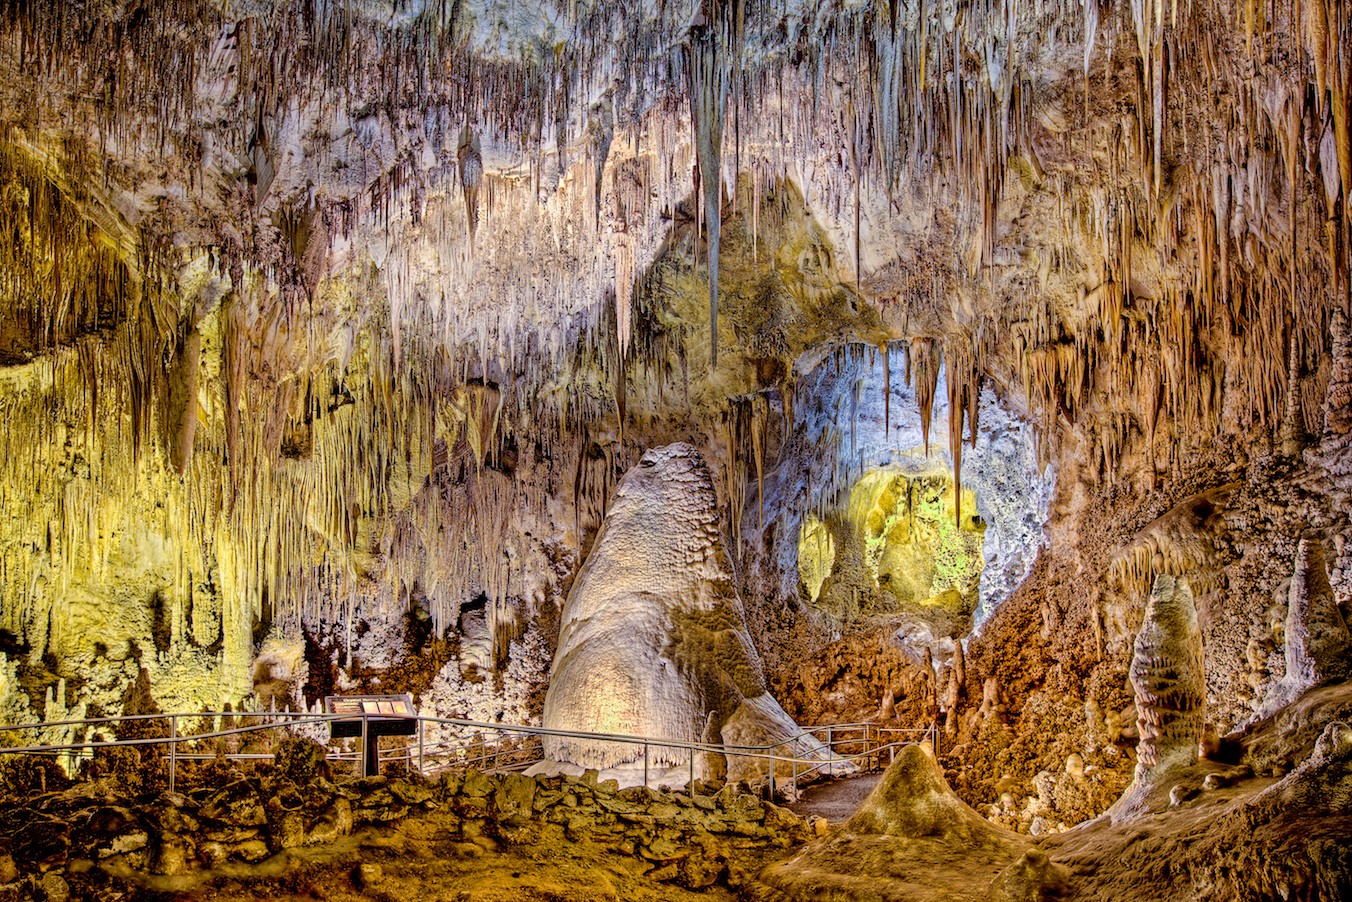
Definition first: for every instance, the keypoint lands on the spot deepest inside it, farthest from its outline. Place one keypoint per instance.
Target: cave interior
(691, 369)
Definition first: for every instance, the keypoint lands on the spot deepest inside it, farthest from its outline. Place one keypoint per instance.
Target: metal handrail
(507, 733)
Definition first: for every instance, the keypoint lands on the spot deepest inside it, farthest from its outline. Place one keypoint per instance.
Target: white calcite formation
(1169, 679)
(654, 641)
(1317, 641)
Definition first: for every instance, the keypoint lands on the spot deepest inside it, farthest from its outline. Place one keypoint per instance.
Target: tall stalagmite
(1169, 678)
(1317, 644)
(654, 641)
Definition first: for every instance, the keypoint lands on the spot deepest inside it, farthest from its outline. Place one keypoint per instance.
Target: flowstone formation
(653, 640)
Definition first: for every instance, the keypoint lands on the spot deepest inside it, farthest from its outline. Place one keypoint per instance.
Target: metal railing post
(364, 750)
(692, 775)
(422, 766)
(645, 764)
(830, 755)
(173, 750)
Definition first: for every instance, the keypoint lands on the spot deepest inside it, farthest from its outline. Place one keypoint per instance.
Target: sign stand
(370, 717)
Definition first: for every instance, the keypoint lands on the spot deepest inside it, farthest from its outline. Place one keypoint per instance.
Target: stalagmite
(653, 636)
(1317, 644)
(1320, 784)
(1169, 679)
(914, 824)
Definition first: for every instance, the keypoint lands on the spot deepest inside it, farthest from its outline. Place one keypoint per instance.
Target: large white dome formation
(654, 641)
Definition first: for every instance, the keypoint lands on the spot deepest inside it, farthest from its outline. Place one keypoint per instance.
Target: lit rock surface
(263, 376)
(653, 640)
(890, 430)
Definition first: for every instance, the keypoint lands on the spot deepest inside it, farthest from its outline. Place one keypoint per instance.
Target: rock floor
(421, 861)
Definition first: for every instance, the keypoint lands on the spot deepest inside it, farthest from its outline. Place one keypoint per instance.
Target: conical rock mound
(913, 800)
(913, 839)
(1318, 646)
(1168, 676)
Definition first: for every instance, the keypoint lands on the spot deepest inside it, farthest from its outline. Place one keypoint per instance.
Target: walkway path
(837, 799)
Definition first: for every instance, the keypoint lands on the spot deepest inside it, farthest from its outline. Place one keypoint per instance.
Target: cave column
(236, 679)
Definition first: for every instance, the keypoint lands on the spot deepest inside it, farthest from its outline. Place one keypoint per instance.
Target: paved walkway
(835, 800)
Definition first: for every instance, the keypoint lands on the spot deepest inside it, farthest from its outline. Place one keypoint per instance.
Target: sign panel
(386, 715)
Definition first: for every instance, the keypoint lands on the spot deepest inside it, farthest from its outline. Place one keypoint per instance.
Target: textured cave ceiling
(315, 308)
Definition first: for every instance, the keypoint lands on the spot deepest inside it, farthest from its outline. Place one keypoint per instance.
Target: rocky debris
(301, 760)
(89, 835)
(858, 678)
(1058, 800)
(1169, 678)
(30, 775)
(1317, 644)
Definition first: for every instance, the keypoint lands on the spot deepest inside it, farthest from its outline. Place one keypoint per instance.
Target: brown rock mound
(913, 839)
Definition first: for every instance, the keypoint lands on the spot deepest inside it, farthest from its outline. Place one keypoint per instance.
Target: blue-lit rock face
(862, 415)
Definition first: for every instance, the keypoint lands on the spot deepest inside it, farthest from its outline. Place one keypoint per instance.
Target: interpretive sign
(371, 716)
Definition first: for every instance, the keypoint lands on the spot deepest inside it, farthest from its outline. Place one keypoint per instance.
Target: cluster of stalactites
(1248, 244)
(893, 80)
(296, 502)
(952, 98)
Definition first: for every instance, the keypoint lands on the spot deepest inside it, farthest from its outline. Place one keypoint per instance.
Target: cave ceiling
(311, 303)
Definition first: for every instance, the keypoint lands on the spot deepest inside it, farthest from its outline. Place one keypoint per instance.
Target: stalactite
(887, 389)
(712, 40)
(926, 355)
(471, 164)
(944, 102)
(760, 427)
